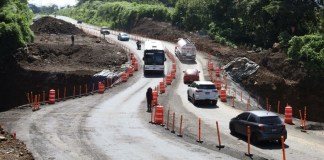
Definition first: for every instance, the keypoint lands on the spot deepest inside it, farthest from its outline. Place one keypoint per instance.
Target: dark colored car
(79, 21)
(190, 75)
(104, 30)
(264, 126)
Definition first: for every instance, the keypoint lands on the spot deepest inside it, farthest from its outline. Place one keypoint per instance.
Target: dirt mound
(52, 25)
(55, 53)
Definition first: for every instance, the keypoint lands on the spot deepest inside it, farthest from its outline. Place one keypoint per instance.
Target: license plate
(273, 130)
(206, 92)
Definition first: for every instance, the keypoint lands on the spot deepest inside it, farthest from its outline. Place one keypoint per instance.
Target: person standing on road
(138, 43)
(72, 39)
(149, 96)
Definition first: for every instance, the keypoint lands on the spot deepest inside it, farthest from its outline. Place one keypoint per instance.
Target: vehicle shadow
(187, 61)
(154, 76)
(206, 105)
(271, 145)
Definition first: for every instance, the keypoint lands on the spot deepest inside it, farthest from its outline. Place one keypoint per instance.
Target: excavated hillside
(53, 62)
(278, 78)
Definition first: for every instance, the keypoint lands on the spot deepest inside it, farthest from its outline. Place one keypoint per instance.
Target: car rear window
(270, 120)
(206, 87)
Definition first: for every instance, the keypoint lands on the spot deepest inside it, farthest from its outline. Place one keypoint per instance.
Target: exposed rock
(2, 138)
(240, 68)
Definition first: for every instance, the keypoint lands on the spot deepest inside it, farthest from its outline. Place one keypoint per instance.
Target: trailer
(185, 49)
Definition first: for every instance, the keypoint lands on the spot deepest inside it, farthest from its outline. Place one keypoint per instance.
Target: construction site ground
(52, 56)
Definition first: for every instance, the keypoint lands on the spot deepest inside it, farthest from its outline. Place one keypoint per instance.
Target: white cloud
(59, 3)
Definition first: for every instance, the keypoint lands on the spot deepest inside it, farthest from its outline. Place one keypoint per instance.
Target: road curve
(103, 126)
(114, 125)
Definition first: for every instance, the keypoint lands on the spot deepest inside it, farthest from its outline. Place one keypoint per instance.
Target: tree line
(297, 25)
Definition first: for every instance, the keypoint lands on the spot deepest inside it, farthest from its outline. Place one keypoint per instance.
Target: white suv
(202, 90)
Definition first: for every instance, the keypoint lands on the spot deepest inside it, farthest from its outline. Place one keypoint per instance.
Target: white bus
(154, 57)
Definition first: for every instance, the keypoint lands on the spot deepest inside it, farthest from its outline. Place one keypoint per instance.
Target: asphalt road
(114, 125)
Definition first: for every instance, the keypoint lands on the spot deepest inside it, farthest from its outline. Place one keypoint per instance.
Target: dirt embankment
(277, 78)
(53, 62)
(12, 148)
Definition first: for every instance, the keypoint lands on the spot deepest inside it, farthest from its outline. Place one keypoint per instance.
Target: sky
(59, 3)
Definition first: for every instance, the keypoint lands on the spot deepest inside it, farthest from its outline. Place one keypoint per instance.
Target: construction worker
(138, 43)
(149, 96)
(72, 39)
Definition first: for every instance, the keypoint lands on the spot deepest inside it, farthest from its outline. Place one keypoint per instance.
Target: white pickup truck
(185, 49)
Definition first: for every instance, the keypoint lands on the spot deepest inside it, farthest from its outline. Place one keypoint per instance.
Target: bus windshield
(154, 58)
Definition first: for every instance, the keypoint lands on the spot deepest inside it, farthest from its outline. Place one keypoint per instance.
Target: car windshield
(211, 86)
(124, 34)
(270, 120)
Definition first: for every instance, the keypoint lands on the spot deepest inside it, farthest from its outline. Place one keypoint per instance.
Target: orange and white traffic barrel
(51, 97)
(288, 114)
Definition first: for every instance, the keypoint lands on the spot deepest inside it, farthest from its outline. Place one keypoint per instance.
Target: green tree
(15, 19)
(308, 49)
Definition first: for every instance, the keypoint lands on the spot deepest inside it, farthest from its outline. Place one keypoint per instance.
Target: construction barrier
(101, 87)
(217, 72)
(222, 95)
(168, 79)
(124, 77)
(162, 87)
(51, 96)
(218, 84)
(180, 128)
(218, 135)
(199, 131)
(36, 103)
(288, 114)
(173, 120)
(174, 67)
(154, 98)
(210, 66)
(158, 116)
(136, 66)
(249, 140)
(173, 74)
(130, 71)
(283, 148)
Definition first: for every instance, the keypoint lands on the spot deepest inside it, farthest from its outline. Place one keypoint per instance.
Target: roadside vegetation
(117, 15)
(298, 26)
(15, 19)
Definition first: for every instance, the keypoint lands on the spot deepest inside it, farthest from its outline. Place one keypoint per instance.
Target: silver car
(264, 126)
(123, 36)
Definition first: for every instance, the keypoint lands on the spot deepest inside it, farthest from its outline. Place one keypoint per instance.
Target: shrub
(309, 49)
